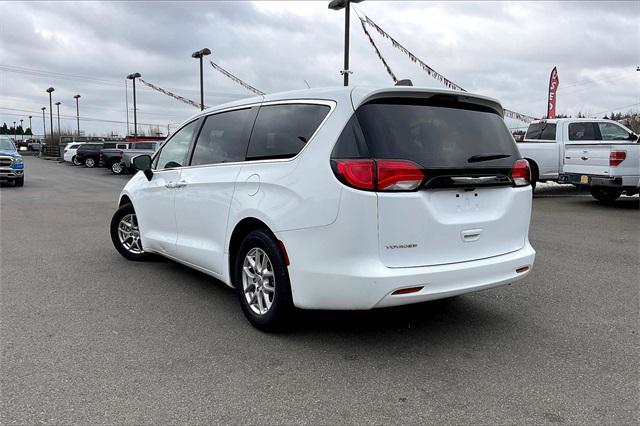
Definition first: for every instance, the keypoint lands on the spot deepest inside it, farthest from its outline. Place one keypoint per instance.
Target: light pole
(199, 55)
(44, 124)
(22, 135)
(133, 77)
(15, 131)
(346, 5)
(50, 90)
(59, 135)
(30, 127)
(77, 97)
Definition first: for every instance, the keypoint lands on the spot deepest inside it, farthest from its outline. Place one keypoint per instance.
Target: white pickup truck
(601, 154)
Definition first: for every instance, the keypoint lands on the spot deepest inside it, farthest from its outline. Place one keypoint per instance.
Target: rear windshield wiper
(486, 157)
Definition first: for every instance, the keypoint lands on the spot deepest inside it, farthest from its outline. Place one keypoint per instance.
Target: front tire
(605, 195)
(75, 161)
(262, 282)
(19, 181)
(125, 234)
(90, 162)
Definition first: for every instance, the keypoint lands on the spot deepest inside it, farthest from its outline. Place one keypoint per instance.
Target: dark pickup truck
(119, 160)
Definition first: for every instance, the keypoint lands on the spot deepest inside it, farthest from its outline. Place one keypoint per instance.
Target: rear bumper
(373, 286)
(619, 182)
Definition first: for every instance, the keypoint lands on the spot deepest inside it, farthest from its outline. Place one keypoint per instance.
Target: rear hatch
(467, 207)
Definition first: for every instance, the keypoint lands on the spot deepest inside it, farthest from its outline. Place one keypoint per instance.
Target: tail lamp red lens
(521, 174)
(380, 175)
(616, 157)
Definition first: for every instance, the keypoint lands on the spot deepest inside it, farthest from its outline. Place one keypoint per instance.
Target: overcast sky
(505, 50)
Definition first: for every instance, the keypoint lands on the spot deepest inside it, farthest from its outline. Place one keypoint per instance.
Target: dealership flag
(554, 82)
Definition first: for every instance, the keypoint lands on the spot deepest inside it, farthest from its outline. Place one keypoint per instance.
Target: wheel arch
(535, 169)
(124, 199)
(241, 230)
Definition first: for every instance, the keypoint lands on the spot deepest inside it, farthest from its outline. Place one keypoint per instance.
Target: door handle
(181, 184)
(171, 185)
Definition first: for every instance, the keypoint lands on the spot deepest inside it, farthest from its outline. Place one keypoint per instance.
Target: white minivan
(340, 198)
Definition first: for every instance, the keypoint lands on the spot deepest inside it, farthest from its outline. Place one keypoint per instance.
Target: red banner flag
(554, 82)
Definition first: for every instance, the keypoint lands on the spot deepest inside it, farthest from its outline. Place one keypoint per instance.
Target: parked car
(34, 144)
(609, 168)
(69, 153)
(138, 148)
(336, 199)
(88, 154)
(11, 163)
(547, 142)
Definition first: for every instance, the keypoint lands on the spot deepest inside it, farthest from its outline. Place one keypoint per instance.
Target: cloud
(504, 50)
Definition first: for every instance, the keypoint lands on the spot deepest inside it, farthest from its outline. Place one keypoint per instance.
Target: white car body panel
(332, 233)
(69, 152)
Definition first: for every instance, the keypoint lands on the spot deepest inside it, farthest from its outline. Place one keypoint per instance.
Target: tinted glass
(174, 152)
(109, 145)
(351, 143)
(583, 132)
(143, 145)
(534, 131)
(613, 132)
(74, 146)
(223, 138)
(549, 132)
(436, 136)
(281, 131)
(6, 144)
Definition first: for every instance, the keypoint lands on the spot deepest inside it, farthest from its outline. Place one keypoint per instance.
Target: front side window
(174, 152)
(223, 138)
(583, 132)
(613, 132)
(281, 131)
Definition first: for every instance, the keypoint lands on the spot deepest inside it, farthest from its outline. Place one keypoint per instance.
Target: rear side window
(434, 136)
(143, 145)
(74, 146)
(281, 131)
(541, 131)
(224, 137)
(109, 145)
(583, 132)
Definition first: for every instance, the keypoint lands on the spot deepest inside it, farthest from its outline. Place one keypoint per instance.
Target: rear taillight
(520, 174)
(616, 157)
(379, 175)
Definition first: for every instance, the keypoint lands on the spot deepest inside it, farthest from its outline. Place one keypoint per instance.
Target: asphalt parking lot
(88, 337)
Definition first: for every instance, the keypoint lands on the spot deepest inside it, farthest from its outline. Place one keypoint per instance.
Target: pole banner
(386, 65)
(236, 79)
(554, 82)
(168, 93)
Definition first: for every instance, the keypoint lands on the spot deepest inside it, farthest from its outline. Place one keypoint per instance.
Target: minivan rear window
(435, 136)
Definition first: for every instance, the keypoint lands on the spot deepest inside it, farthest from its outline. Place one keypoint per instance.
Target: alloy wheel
(117, 167)
(258, 281)
(129, 234)
(89, 162)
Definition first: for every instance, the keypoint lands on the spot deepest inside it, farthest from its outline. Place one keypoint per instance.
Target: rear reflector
(616, 157)
(408, 290)
(283, 250)
(379, 175)
(520, 174)
(522, 269)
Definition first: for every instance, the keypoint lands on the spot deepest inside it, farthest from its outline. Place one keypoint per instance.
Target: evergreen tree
(4, 130)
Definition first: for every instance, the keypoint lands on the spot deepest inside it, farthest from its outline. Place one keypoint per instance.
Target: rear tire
(75, 161)
(125, 234)
(604, 194)
(262, 282)
(117, 167)
(19, 181)
(90, 162)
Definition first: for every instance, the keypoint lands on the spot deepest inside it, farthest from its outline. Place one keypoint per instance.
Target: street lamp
(44, 124)
(346, 5)
(59, 134)
(50, 90)
(133, 77)
(15, 131)
(30, 128)
(199, 55)
(22, 135)
(77, 97)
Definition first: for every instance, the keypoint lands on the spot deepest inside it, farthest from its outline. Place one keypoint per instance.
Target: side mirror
(143, 163)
